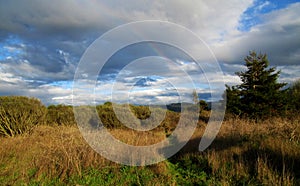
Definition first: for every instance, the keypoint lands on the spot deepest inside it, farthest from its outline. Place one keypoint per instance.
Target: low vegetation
(244, 153)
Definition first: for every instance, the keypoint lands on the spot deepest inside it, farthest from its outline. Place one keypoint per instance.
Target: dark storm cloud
(53, 35)
(144, 49)
(69, 19)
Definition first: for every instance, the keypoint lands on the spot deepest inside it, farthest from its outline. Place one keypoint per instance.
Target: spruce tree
(259, 95)
(293, 94)
(233, 102)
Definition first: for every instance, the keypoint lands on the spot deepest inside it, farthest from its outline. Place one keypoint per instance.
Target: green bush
(109, 119)
(20, 114)
(107, 116)
(141, 112)
(60, 115)
(191, 169)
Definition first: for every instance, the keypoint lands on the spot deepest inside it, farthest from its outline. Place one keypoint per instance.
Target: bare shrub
(20, 114)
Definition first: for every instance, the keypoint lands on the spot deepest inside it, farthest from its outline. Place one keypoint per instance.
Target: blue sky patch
(252, 16)
(11, 48)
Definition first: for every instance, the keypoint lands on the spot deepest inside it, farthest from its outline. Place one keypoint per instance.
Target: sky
(42, 43)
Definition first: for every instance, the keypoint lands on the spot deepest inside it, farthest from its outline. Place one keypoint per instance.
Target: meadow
(245, 152)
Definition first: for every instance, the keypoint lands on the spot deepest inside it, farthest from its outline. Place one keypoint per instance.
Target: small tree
(195, 97)
(259, 95)
(203, 105)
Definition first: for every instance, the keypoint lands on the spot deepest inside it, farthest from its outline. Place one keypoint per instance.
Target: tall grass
(244, 153)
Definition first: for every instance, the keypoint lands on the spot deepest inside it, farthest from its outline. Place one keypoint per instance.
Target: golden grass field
(244, 153)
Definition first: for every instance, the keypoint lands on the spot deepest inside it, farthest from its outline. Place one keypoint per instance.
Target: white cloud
(276, 36)
(263, 5)
(9, 78)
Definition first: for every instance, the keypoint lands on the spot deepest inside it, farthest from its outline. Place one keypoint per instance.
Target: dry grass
(48, 151)
(138, 138)
(59, 151)
(268, 151)
(244, 152)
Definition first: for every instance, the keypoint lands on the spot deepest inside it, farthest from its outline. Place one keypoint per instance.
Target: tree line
(259, 96)
(20, 114)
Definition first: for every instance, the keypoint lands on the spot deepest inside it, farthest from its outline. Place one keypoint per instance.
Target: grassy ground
(244, 153)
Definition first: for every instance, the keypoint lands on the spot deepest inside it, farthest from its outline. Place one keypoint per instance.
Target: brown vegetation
(244, 152)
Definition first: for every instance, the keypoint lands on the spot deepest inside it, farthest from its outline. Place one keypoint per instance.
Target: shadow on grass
(251, 150)
(219, 144)
(277, 161)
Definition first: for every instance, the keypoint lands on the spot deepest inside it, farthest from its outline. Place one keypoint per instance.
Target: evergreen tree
(233, 104)
(294, 96)
(260, 94)
(203, 105)
(195, 97)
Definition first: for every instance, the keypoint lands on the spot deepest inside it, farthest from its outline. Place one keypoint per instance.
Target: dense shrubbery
(60, 115)
(107, 116)
(20, 114)
(110, 120)
(141, 112)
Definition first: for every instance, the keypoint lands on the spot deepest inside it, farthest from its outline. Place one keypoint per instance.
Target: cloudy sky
(42, 43)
